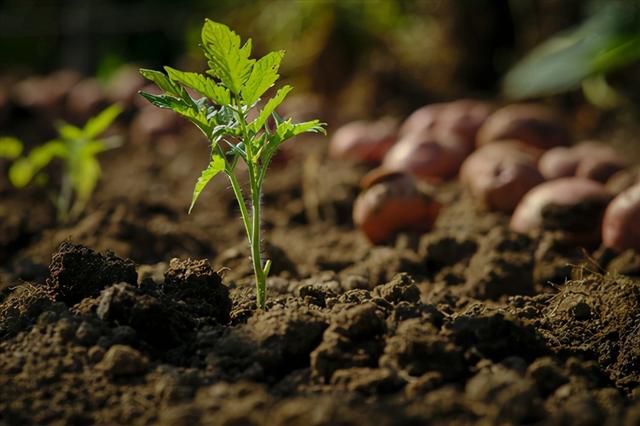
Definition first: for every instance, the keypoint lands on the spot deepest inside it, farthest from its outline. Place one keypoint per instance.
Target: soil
(140, 314)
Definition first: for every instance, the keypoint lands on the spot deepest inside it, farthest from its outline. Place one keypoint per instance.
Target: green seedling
(77, 148)
(233, 88)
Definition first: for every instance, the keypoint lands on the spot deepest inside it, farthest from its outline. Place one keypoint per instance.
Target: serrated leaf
(263, 75)
(228, 61)
(10, 147)
(216, 165)
(200, 83)
(270, 107)
(161, 80)
(187, 110)
(98, 124)
(288, 129)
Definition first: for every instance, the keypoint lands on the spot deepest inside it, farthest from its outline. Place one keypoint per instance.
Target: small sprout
(233, 88)
(78, 149)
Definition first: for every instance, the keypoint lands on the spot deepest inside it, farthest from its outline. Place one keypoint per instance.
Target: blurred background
(363, 57)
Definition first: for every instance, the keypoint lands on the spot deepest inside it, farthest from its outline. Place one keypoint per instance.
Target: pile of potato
(519, 159)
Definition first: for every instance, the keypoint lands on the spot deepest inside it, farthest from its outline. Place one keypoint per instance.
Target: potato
(621, 223)
(532, 124)
(421, 120)
(364, 141)
(86, 99)
(623, 179)
(151, 123)
(572, 205)
(124, 85)
(499, 175)
(392, 202)
(427, 157)
(463, 118)
(589, 159)
(558, 162)
(45, 93)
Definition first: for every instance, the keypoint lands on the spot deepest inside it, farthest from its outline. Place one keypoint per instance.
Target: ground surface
(470, 324)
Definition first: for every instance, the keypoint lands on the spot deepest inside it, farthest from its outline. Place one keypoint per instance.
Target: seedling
(77, 148)
(234, 88)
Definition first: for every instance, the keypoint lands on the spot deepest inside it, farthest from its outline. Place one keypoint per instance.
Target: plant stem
(255, 248)
(252, 225)
(64, 199)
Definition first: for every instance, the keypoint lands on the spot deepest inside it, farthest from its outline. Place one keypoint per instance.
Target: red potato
(427, 157)
(463, 118)
(364, 141)
(86, 99)
(623, 179)
(558, 162)
(124, 85)
(589, 159)
(45, 93)
(532, 124)
(499, 175)
(151, 123)
(421, 120)
(621, 223)
(573, 205)
(392, 202)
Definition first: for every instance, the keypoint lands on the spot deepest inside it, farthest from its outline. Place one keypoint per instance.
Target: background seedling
(222, 114)
(77, 148)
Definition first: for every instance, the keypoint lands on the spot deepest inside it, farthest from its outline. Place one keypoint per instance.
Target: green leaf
(70, 132)
(270, 107)
(228, 61)
(200, 83)
(42, 155)
(215, 166)
(606, 41)
(24, 169)
(99, 146)
(187, 110)
(10, 147)
(263, 76)
(85, 174)
(101, 122)
(288, 130)
(161, 80)
(21, 172)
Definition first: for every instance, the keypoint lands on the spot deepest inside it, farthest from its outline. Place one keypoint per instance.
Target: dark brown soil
(469, 324)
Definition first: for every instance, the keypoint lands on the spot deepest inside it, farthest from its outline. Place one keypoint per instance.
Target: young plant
(233, 88)
(78, 149)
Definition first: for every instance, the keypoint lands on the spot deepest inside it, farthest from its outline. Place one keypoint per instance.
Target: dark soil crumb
(77, 272)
